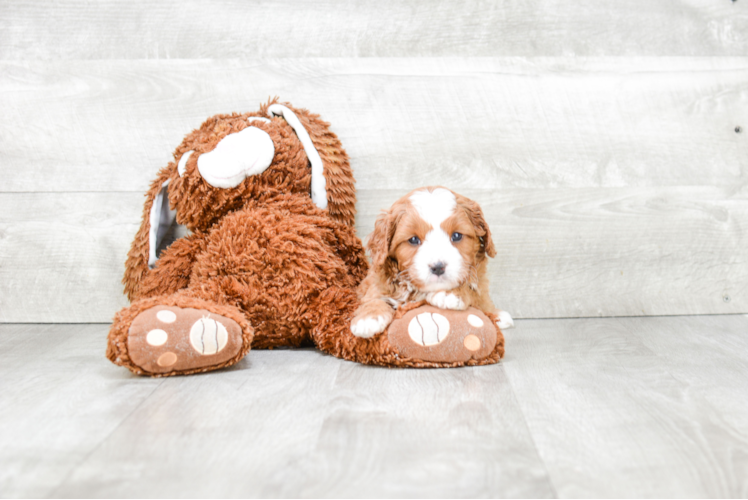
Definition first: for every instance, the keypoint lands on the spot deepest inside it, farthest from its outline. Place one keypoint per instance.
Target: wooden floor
(612, 407)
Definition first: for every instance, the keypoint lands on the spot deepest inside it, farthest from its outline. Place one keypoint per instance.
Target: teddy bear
(268, 257)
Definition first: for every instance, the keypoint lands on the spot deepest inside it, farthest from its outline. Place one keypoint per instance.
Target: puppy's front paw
(368, 327)
(505, 320)
(444, 300)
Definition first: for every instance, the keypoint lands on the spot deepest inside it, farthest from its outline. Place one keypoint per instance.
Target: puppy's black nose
(438, 268)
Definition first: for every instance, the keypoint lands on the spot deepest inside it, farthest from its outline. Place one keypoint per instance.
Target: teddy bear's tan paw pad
(443, 336)
(163, 339)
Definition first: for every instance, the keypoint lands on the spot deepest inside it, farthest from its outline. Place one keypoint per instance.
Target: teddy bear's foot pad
(168, 338)
(438, 335)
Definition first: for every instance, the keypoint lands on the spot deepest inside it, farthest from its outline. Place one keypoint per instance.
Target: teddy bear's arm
(173, 269)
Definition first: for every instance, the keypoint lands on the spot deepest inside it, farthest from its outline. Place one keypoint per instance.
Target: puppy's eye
(456, 237)
(415, 240)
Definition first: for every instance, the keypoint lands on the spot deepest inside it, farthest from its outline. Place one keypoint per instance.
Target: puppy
(432, 245)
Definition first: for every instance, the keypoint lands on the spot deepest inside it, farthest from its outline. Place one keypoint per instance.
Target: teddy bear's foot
(420, 336)
(166, 339)
(442, 335)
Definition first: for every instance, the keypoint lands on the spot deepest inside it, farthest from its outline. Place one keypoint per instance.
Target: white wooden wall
(599, 136)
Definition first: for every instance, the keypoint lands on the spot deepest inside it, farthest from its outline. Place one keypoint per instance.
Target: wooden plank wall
(603, 139)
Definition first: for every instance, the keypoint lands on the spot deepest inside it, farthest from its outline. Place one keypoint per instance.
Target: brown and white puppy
(432, 244)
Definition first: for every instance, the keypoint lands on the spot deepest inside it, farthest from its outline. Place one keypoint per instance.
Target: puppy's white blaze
(434, 208)
(236, 157)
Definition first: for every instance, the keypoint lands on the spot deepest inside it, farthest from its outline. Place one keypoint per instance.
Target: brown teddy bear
(271, 259)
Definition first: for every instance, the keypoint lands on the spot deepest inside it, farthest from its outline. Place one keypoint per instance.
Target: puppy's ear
(380, 240)
(474, 212)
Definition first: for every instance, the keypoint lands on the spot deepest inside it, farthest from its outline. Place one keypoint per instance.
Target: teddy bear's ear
(156, 220)
(333, 186)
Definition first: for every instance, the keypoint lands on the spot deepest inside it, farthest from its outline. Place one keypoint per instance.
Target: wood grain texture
(561, 252)
(58, 402)
(326, 428)
(76, 29)
(419, 434)
(462, 122)
(616, 405)
(612, 407)
(341, 428)
(221, 434)
(62, 255)
(609, 252)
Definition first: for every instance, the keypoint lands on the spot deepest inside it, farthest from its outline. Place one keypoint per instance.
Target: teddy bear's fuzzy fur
(261, 254)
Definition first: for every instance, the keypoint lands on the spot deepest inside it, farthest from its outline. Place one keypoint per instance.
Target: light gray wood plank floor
(612, 407)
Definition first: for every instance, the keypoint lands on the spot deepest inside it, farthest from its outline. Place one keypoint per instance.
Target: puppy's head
(433, 237)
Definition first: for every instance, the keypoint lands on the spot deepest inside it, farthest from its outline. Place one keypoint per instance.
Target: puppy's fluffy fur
(432, 244)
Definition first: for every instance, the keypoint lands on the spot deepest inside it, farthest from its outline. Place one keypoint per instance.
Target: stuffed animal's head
(234, 158)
